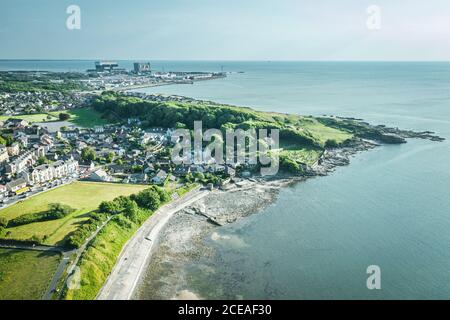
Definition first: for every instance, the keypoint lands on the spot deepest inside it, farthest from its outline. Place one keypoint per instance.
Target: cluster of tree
(88, 154)
(28, 86)
(134, 208)
(182, 115)
(64, 116)
(117, 107)
(3, 223)
(204, 178)
(6, 139)
(290, 165)
(55, 211)
(79, 236)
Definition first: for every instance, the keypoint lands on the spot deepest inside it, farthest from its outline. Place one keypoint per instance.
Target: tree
(88, 154)
(42, 160)
(199, 176)
(131, 211)
(3, 222)
(110, 157)
(148, 199)
(164, 196)
(111, 207)
(331, 143)
(58, 210)
(64, 116)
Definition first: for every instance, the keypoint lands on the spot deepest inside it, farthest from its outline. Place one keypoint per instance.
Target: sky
(227, 30)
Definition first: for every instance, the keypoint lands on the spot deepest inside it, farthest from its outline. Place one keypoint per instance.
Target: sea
(389, 208)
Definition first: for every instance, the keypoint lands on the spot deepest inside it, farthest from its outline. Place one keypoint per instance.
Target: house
(4, 156)
(14, 150)
(15, 123)
(181, 170)
(46, 140)
(16, 185)
(57, 170)
(117, 169)
(99, 129)
(149, 169)
(100, 175)
(3, 191)
(160, 177)
(138, 178)
(80, 145)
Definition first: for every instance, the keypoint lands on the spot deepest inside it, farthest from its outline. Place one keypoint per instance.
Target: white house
(100, 175)
(4, 157)
(57, 170)
(16, 185)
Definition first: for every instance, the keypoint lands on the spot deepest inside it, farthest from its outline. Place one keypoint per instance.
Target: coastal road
(136, 254)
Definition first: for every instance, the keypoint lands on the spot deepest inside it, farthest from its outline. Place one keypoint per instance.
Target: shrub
(3, 222)
(56, 211)
(79, 236)
(331, 144)
(148, 199)
(64, 116)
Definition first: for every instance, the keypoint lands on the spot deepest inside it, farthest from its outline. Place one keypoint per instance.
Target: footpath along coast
(137, 253)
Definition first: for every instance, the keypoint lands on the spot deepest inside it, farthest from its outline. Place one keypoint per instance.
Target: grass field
(82, 196)
(26, 274)
(32, 118)
(82, 117)
(322, 132)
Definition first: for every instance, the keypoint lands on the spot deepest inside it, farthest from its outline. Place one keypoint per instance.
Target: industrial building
(142, 67)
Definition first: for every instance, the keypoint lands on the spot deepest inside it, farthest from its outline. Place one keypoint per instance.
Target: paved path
(65, 260)
(136, 254)
(61, 267)
(31, 247)
(58, 274)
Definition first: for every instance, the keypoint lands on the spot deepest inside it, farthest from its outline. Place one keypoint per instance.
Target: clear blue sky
(226, 30)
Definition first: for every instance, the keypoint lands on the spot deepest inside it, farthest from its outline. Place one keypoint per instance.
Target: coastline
(176, 233)
(182, 239)
(121, 283)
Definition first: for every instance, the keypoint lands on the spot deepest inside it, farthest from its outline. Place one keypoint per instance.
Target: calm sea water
(390, 207)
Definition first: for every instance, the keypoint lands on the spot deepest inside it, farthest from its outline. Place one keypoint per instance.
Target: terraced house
(56, 170)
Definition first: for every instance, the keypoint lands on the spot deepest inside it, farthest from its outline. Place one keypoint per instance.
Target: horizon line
(216, 60)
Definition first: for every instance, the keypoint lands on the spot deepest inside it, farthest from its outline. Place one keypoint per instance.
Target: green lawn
(322, 132)
(32, 118)
(82, 196)
(25, 275)
(83, 117)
